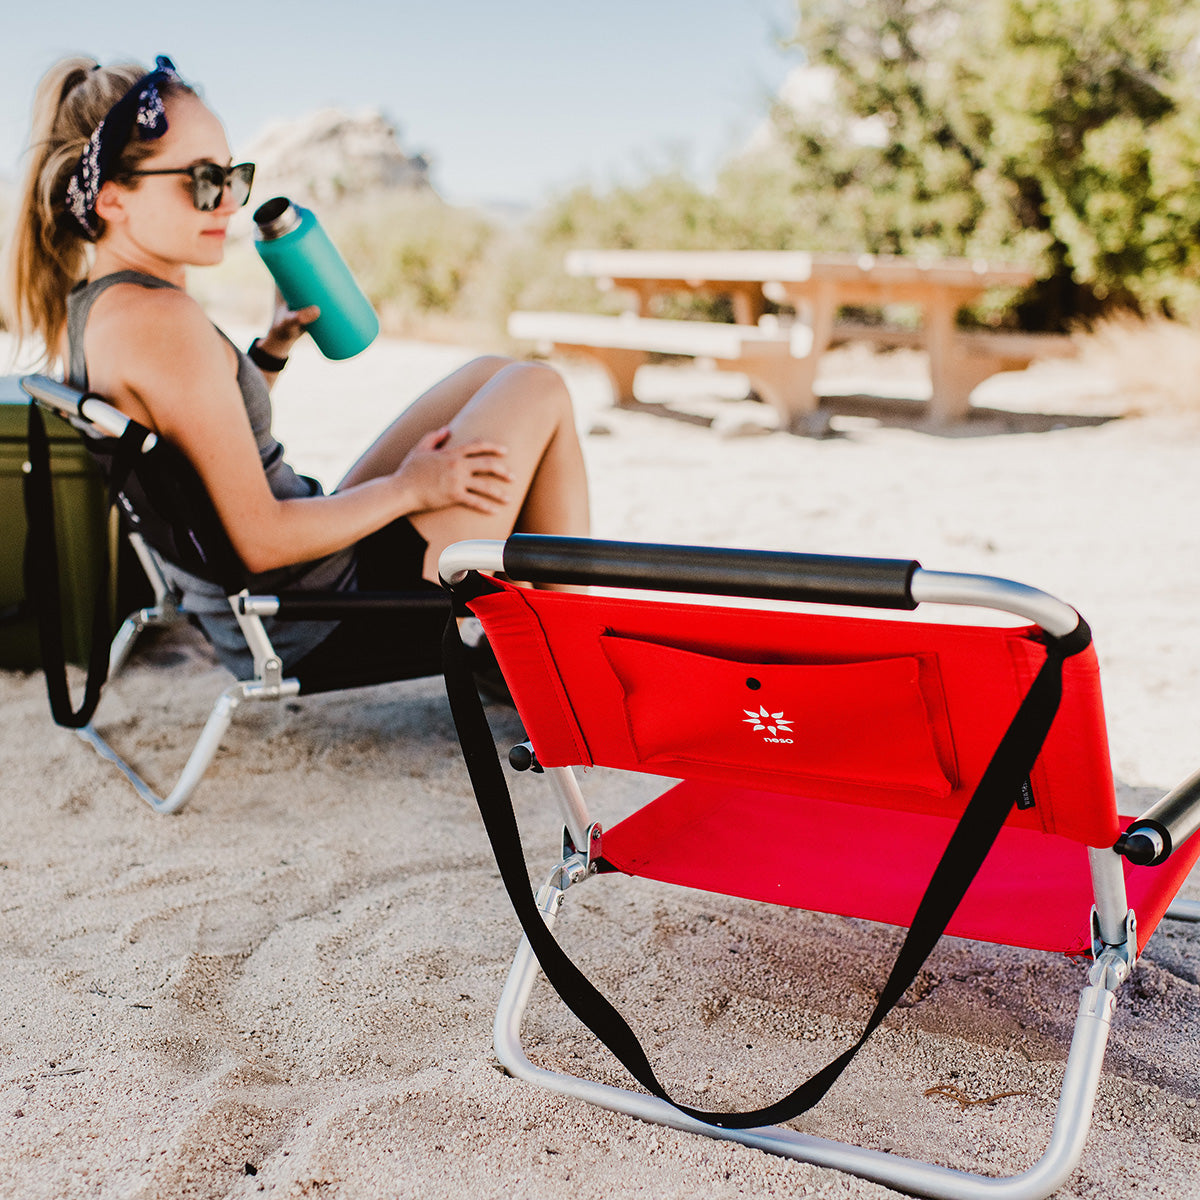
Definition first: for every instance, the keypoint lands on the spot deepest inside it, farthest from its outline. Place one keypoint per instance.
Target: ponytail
(47, 250)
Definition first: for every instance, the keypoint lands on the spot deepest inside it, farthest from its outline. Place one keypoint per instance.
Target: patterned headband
(140, 109)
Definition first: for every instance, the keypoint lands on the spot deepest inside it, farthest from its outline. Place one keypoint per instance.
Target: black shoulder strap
(978, 828)
(41, 573)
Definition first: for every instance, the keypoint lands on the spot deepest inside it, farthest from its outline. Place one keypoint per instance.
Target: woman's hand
(287, 327)
(436, 475)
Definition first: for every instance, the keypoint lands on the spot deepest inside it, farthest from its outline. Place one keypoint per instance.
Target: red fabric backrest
(889, 713)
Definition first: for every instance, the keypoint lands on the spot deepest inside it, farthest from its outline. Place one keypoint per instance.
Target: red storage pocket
(880, 722)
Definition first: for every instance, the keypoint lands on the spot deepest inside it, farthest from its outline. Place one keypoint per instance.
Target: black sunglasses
(209, 182)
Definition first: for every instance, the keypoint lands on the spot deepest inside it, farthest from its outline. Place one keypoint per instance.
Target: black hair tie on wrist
(263, 360)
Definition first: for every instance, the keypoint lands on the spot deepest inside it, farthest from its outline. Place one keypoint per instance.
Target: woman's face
(155, 213)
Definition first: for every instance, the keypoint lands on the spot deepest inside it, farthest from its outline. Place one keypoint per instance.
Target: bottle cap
(275, 218)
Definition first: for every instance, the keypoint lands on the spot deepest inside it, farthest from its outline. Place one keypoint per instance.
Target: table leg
(619, 365)
(950, 376)
(782, 381)
(748, 304)
(785, 380)
(645, 295)
(823, 312)
(784, 376)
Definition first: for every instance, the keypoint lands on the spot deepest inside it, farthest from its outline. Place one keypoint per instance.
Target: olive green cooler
(81, 525)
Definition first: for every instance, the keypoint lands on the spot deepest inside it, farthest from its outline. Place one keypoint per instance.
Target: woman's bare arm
(155, 355)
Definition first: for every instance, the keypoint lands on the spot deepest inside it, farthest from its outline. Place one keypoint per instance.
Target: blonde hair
(47, 248)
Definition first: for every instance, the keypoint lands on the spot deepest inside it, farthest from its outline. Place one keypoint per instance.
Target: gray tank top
(291, 639)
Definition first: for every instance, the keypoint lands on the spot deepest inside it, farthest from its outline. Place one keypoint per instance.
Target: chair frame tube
(1072, 1116)
(164, 611)
(924, 587)
(267, 684)
(70, 404)
(202, 753)
(1166, 825)
(1183, 910)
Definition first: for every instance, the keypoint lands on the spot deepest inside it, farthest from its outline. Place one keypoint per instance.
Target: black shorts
(378, 647)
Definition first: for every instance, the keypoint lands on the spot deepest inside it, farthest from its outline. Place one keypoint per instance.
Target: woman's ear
(110, 202)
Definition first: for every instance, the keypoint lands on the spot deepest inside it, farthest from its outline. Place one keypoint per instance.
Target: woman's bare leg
(524, 407)
(431, 410)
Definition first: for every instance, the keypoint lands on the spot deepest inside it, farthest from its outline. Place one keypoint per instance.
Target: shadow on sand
(843, 412)
(842, 415)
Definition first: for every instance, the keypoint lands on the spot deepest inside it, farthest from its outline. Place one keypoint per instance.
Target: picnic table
(817, 285)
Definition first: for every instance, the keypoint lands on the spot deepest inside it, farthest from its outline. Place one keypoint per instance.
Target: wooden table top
(695, 268)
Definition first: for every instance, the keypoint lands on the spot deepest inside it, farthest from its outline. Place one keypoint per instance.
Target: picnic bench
(780, 360)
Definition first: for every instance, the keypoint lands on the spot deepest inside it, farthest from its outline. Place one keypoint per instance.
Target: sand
(287, 989)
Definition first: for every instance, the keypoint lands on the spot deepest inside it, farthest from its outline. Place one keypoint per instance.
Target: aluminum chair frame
(91, 416)
(267, 684)
(1114, 946)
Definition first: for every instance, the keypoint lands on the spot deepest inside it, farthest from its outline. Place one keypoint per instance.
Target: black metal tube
(1163, 827)
(770, 575)
(318, 606)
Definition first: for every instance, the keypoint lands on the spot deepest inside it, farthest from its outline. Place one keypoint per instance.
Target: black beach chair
(168, 517)
(940, 777)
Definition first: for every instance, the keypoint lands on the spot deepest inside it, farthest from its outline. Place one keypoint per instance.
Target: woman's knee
(540, 383)
(482, 370)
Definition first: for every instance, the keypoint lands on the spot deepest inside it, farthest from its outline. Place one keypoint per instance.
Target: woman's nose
(227, 204)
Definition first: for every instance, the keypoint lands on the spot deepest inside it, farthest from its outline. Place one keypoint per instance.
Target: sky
(513, 102)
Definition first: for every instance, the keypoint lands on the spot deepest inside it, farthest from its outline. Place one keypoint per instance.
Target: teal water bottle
(309, 270)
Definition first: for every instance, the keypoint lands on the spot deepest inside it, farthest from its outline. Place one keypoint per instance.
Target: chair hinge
(550, 895)
(588, 853)
(573, 868)
(1113, 963)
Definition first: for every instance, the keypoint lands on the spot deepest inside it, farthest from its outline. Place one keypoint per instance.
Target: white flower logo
(774, 723)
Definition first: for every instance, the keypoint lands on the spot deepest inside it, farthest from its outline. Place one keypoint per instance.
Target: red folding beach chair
(942, 777)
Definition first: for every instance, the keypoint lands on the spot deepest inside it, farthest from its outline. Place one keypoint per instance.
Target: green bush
(413, 255)
(1062, 131)
(750, 208)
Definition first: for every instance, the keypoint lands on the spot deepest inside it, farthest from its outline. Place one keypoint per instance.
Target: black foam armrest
(767, 574)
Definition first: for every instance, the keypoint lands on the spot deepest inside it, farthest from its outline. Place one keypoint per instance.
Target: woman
(130, 181)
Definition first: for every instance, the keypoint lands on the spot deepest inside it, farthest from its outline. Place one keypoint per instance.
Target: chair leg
(1183, 910)
(132, 628)
(204, 751)
(1072, 1118)
(164, 610)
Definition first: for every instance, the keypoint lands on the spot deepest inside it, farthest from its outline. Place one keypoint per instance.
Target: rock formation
(332, 155)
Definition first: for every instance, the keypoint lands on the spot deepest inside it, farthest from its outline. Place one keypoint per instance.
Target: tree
(1067, 131)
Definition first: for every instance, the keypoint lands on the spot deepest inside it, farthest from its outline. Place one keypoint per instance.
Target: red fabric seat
(1034, 890)
(882, 712)
(825, 759)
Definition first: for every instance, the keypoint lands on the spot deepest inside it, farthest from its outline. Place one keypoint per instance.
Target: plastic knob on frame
(522, 758)
(1143, 847)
